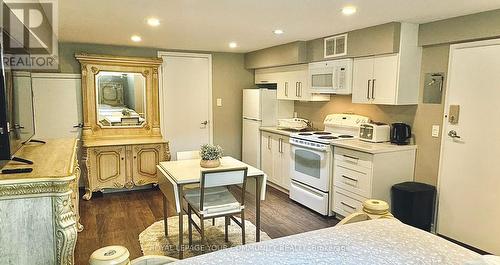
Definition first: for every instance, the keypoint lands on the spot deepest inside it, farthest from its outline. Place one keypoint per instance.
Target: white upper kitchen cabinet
(292, 82)
(390, 79)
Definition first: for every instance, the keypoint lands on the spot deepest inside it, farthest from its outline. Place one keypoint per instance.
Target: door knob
(453, 134)
(204, 123)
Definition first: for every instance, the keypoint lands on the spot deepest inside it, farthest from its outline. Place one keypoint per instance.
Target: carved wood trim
(117, 155)
(65, 229)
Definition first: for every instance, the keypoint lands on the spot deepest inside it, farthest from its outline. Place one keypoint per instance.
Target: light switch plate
(219, 102)
(435, 131)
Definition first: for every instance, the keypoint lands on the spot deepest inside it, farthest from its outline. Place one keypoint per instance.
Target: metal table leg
(258, 184)
(181, 224)
(165, 214)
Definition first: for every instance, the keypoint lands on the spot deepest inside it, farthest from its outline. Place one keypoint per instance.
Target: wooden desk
(173, 175)
(39, 210)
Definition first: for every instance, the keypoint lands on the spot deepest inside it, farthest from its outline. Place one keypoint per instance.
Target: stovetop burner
(322, 133)
(345, 136)
(327, 137)
(305, 134)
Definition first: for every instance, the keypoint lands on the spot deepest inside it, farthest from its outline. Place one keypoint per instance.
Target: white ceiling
(210, 25)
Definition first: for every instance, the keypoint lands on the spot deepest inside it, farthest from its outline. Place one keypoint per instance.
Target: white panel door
(361, 80)
(186, 101)
(58, 105)
(385, 77)
(469, 180)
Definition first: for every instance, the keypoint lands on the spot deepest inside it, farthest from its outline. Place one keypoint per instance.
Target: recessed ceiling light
(233, 45)
(349, 10)
(153, 22)
(136, 38)
(278, 31)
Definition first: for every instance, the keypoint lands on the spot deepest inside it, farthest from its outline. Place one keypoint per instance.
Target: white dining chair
(213, 199)
(185, 155)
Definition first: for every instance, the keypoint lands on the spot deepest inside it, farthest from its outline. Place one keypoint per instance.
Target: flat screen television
(16, 107)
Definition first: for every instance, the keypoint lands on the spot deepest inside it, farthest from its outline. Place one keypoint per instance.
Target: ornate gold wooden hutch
(122, 142)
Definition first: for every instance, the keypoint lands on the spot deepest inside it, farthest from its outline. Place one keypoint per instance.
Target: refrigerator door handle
(251, 119)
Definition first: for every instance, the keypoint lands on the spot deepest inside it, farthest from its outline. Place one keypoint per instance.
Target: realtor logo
(29, 34)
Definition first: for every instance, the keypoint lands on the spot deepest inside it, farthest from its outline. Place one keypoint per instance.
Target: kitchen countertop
(354, 144)
(372, 148)
(276, 130)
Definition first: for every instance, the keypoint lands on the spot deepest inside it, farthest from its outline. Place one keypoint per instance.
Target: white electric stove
(313, 160)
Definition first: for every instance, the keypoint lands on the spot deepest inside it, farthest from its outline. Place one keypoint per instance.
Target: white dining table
(174, 175)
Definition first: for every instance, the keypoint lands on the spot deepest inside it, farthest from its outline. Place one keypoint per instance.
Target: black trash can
(413, 204)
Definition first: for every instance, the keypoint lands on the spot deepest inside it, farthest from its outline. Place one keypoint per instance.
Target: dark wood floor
(119, 218)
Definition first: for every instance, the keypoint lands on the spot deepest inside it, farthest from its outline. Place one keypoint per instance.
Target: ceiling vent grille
(336, 46)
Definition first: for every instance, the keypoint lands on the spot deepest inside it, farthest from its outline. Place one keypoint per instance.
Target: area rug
(153, 241)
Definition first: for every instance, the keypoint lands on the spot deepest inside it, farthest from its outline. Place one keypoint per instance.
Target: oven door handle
(321, 149)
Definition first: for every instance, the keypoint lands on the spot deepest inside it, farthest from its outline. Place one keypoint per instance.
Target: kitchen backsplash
(317, 111)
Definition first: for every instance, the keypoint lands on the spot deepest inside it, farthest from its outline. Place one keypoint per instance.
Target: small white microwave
(331, 77)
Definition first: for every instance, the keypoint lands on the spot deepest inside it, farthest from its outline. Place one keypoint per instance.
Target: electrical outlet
(435, 131)
(219, 102)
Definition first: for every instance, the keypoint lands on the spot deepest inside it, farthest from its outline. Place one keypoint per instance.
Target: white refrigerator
(260, 108)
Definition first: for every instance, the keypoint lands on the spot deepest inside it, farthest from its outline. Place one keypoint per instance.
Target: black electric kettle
(400, 133)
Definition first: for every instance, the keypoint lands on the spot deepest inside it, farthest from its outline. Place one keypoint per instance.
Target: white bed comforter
(380, 241)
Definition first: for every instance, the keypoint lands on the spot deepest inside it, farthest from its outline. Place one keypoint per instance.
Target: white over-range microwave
(331, 77)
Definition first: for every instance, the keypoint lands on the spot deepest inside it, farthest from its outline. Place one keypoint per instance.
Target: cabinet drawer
(357, 182)
(346, 203)
(313, 199)
(353, 157)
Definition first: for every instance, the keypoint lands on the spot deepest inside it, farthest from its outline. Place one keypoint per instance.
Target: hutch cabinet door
(145, 159)
(107, 168)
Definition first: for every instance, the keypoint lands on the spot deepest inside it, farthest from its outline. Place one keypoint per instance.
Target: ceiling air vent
(336, 46)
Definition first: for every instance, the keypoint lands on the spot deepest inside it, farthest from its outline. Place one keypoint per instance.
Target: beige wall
(316, 111)
(228, 79)
(434, 59)
(460, 29)
(380, 39)
(286, 54)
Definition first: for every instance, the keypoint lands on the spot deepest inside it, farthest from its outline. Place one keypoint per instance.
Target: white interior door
(469, 180)
(186, 114)
(57, 104)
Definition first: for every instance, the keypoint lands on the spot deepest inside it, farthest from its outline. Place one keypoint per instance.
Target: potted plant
(210, 155)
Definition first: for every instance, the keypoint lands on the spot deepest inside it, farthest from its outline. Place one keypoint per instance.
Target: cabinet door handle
(286, 89)
(281, 145)
(297, 89)
(368, 89)
(373, 88)
(300, 89)
(349, 178)
(350, 206)
(352, 157)
(269, 142)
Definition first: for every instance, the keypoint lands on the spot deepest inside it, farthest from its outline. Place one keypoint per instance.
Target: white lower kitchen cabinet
(276, 159)
(359, 176)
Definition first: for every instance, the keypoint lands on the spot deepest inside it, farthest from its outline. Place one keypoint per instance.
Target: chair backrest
(221, 178)
(185, 155)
